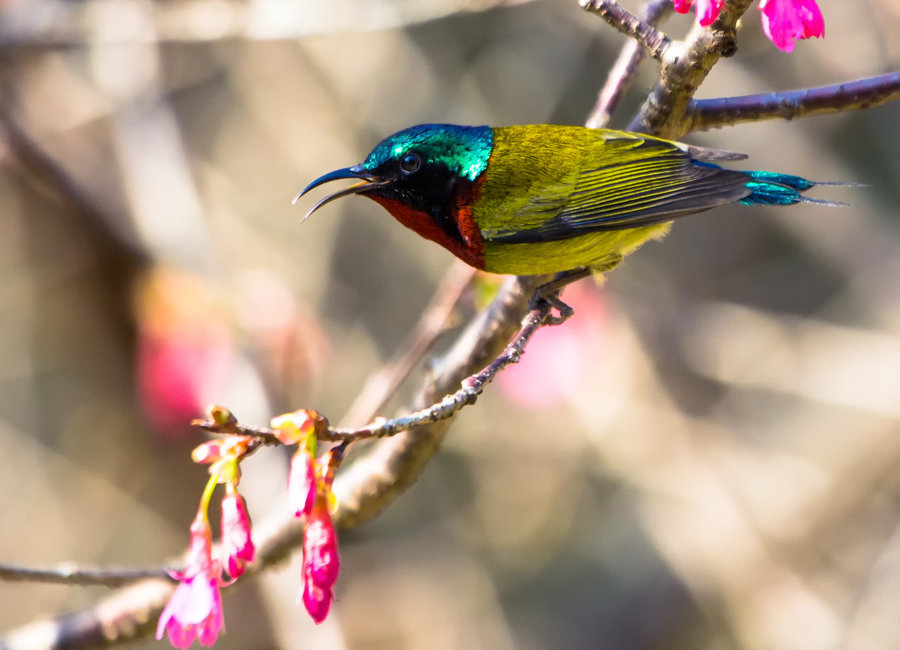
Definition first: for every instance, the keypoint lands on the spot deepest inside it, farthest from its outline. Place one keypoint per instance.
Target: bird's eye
(410, 163)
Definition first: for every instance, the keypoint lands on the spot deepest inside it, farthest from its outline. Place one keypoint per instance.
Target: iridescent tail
(772, 188)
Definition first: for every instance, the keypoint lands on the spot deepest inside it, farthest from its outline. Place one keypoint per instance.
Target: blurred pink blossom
(195, 609)
(558, 358)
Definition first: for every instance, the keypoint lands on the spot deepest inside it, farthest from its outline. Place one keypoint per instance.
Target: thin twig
(467, 394)
(651, 39)
(624, 69)
(864, 93)
(434, 321)
(71, 574)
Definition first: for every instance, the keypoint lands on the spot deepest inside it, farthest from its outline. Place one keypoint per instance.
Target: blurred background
(703, 457)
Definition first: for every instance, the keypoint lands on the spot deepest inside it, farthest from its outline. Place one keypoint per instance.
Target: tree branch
(642, 31)
(471, 387)
(715, 113)
(70, 574)
(684, 68)
(625, 67)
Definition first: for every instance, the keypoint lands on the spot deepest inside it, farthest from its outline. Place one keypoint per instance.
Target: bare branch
(624, 69)
(434, 321)
(653, 41)
(470, 388)
(715, 113)
(70, 574)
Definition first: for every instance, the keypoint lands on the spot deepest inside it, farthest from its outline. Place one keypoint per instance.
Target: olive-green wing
(623, 181)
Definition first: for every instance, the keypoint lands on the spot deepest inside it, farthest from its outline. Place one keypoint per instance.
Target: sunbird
(537, 199)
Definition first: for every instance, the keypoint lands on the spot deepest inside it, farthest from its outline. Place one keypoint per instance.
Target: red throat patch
(471, 251)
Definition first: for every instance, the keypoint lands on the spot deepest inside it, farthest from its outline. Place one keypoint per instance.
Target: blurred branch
(641, 30)
(363, 490)
(493, 339)
(434, 321)
(41, 169)
(472, 386)
(865, 93)
(624, 69)
(70, 574)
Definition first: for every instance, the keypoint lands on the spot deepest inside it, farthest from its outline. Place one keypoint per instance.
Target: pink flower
(316, 600)
(237, 543)
(195, 609)
(302, 482)
(321, 560)
(320, 548)
(786, 20)
(707, 10)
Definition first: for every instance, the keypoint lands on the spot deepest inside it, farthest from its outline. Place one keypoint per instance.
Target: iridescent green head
(459, 150)
(421, 166)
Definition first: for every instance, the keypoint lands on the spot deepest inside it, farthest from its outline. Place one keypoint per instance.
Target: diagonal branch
(467, 394)
(642, 31)
(625, 67)
(715, 113)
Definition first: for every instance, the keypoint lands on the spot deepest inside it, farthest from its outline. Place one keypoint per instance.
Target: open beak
(369, 182)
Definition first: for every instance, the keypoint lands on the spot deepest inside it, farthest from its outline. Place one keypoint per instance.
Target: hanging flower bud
(195, 609)
(321, 560)
(320, 547)
(316, 600)
(237, 542)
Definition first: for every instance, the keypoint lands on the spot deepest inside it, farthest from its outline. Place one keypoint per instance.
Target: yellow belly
(596, 249)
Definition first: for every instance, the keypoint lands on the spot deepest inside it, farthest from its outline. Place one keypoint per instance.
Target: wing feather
(625, 181)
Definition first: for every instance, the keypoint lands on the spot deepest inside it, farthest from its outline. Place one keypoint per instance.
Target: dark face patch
(427, 187)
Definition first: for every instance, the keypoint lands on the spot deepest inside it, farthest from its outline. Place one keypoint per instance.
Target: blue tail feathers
(772, 188)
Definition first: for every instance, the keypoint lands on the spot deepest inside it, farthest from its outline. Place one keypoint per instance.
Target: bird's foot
(563, 311)
(549, 293)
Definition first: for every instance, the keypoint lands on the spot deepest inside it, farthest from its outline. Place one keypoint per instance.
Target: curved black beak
(356, 172)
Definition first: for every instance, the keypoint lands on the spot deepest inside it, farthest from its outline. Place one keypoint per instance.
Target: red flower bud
(316, 600)
(321, 560)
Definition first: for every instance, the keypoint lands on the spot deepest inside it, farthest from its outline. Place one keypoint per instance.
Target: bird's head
(419, 168)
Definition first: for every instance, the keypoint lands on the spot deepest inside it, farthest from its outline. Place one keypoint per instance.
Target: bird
(541, 199)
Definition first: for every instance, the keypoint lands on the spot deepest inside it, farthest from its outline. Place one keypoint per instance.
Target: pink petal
(302, 483)
(682, 6)
(813, 21)
(786, 20)
(237, 543)
(708, 11)
(317, 601)
(196, 604)
(321, 561)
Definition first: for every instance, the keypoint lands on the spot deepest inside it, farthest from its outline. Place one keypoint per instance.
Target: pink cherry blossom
(316, 600)
(195, 609)
(320, 548)
(707, 10)
(783, 21)
(321, 560)
(237, 543)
